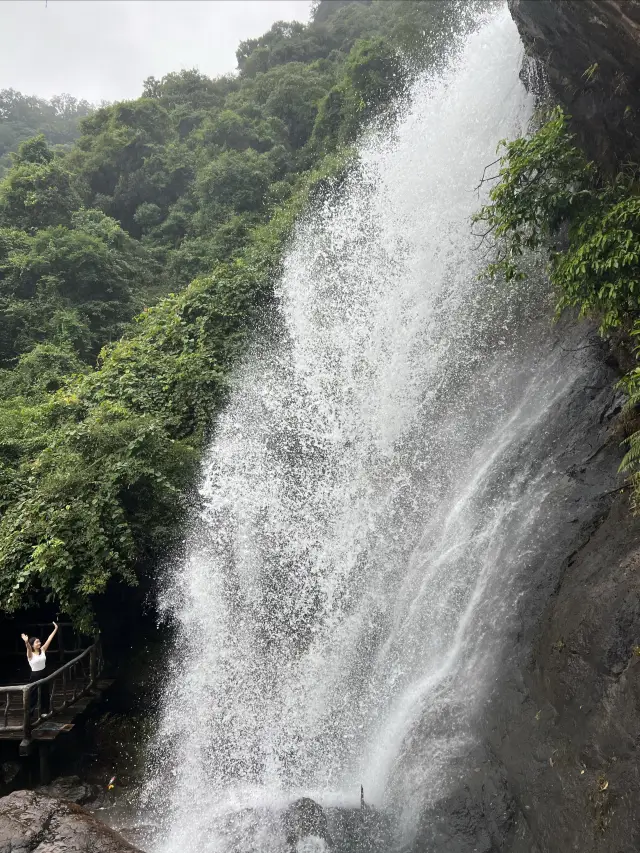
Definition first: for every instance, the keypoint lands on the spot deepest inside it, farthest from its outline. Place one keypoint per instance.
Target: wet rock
(32, 823)
(359, 831)
(557, 767)
(70, 788)
(570, 749)
(305, 819)
(482, 816)
(590, 52)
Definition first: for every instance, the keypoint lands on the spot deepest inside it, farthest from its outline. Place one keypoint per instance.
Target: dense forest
(24, 116)
(134, 264)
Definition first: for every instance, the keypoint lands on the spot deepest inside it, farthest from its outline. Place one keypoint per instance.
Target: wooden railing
(66, 685)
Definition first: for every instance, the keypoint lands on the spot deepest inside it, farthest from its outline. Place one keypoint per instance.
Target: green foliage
(41, 371)
(549, 195)
(175, 207)
(38, 191)
(374, 78)
(419, 29)
(600, 273)
(546, 185)
(71, 285)
(22, 117)
(100, 476)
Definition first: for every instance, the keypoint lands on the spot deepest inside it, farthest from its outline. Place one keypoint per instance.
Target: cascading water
(373, 493)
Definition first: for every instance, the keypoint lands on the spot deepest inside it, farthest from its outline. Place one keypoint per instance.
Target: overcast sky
(104, 49)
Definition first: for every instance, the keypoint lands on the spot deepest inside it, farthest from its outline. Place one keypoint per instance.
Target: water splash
(373, 493)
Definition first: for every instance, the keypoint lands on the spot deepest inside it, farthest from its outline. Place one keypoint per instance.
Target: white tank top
(38, 662)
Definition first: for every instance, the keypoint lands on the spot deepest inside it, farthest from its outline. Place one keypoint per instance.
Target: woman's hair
(32, 641)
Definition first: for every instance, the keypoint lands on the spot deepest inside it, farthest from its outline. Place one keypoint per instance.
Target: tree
(294, 92)
(233, 182)
(23, 116)
(285, 42)
(374, 78)
(125, 157)
(74, 286)
(38, 191)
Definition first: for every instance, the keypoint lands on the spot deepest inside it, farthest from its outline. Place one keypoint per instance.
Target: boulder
(70, 788)
(360, 830)
(310, 828)
(305, 819)
(34, 823)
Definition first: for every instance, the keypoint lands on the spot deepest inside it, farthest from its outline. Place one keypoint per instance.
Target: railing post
(25, 744)
(64, 689)
(93, 668)
(52, 693)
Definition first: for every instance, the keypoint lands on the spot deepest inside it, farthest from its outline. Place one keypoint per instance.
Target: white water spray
(372, 495)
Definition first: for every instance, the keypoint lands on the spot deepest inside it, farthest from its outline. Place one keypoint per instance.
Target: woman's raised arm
(26, 642)
(50, 637)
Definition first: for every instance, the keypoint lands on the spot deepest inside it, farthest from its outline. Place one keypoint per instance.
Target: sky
(104, 49)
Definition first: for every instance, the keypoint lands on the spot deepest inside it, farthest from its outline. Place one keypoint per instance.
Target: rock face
(555, 768)
(590, 50)
(30, 823)
(569, 742)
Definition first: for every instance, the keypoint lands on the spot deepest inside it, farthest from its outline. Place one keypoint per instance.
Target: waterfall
(373, 494)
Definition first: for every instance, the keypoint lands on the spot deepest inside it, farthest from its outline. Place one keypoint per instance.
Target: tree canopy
(133, 264)
(23, 116)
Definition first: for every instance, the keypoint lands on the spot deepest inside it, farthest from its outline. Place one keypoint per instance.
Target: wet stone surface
(33, 823)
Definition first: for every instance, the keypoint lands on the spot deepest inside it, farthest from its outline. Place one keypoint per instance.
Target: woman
(37, 657)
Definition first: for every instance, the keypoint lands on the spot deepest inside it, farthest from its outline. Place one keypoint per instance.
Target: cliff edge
(589, 51)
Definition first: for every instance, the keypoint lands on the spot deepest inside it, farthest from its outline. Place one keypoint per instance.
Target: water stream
(373, 494)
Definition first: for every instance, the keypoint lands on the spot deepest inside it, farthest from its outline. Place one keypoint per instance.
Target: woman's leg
(44, 693)
(33, 696)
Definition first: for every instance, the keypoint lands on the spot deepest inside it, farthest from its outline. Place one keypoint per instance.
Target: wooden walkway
(40, 711)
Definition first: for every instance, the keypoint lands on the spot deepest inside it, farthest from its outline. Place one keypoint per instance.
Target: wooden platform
(62, 720)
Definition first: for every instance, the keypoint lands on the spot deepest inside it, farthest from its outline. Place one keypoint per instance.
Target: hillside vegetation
(134, 265)
(23, 116)
(548, 193)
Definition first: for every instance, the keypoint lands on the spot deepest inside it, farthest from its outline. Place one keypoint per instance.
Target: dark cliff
(557, 766)
(590, 52)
